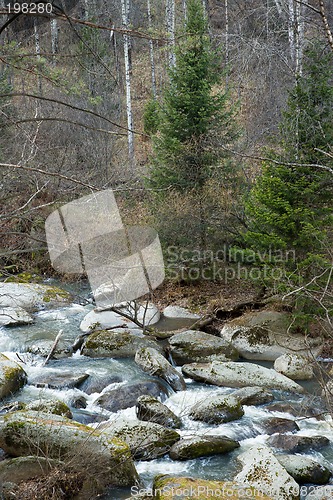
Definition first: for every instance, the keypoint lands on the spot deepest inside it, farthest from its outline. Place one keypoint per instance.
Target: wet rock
(12, 376)
(264, 335)
(50, 406)
(21, 469)
(99, 320)
(295, 409)
(43, 348)
(320, 493)
(63, 380)
(150, 409)
(155, 364)
(31, 296)
(96, 382)
(12, 316)
(294, 366)
(126, 395)
(182, 485)
(194, 346)
(279, 425)
(28, 432)
(264, 472)
(14, 406)
(179, 312)
(304, 469)
(232, 374)
(297, 444)
(146, 440)
(116, 344)
(201, 446)
(79, 402)
(253, 396)
(217, 410)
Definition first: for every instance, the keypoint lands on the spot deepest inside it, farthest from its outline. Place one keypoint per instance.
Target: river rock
(192, 447)
(194, 346)
(12, 316)
(294, 366)
(304, 469)
(320, 493)
(217, 410)
(150, 409)
(297, 443)
(43, 347)
(296, 409)
(264, 335)
(253, 396)
(20, 469)
(56, 380)
(146, 440)
(155, 364)
(117, 343)
(12, 376)
(99, 320)
(179, 312)
(54, 406)
(127, 395)
(105, 459)
(265, 473)
(232, 374)
(202, 489)
(275, 425)
(31, 296)
(97, 382)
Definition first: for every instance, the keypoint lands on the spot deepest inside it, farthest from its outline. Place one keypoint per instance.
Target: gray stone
(12, 316)
(31, 296)
(179, 312)
(253, 396)
(194, 346)
(275, 425)
(264, 472)
(127, 395)
(21, 469)
(297, 443)
(150, 409)
(201, 446)
(217, 410)
(304, 469)
(294, 366)
(146, 440)
(56, 380)
(12, 376)
(54, 406)
(155, 364)
(232, 374)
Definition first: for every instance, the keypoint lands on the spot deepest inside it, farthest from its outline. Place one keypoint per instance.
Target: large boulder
(146, 440)
(217, 410)
(155, 364)
(202, 489)
(304, 469)
(194, 346)
(54, 406)
(20, 469)
(118, 343)
(232, 374)
(297, 443)
(253, 396)
(99, 320)
(150, 409)
(12, 316)
(58, 380)
(264, 335)
(179, 312)
(192, 447)
(276, 425)
(126, 396)
(294, 366)
(12, 376)
(31, 296)
(105, 459)
(265, 473)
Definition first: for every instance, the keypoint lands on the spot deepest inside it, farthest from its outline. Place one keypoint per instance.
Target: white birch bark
(130, 135)
(299, 39)
(184, 9)
(170, 25)
(151, 50)
(54, 38)
(226, 15)
(37, 50)
(291, 29)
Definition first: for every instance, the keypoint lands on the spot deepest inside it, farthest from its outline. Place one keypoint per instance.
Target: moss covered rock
(201, 446)
(150, 409)
(155, 364)
(12, 316)
(304, 469)
(20, 469)
(54, 406)
(217, 410)
(12, 376)
(297, 443)
(31, 296)
(294, 366)
(194, 346)
(106, 459)
(253, 396)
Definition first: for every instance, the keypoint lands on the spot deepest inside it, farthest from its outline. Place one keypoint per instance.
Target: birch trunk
(291, 29)
(130, 135)
(54, 38)
(151, 50)
(299, 39)
(226, 14)
(37, 50)
(170, 25)
(184, 9)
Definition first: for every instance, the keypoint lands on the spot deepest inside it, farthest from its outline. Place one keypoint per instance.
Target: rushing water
(16, 342)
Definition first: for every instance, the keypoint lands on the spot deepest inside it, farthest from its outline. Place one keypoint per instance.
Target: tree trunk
(127, 59)
(54, 38)
(37, 50)
(170, 25)
(151, 50)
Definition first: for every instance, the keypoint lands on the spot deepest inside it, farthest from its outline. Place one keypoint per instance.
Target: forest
(212, 122)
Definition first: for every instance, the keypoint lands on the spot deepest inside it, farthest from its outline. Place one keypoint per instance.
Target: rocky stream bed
(115, 413)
